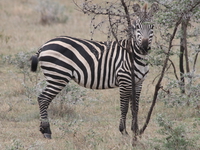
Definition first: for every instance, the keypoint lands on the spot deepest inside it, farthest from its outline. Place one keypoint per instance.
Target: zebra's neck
(138, 55)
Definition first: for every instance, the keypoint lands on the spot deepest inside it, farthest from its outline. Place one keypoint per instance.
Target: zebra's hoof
(124, 132)
(47, 135)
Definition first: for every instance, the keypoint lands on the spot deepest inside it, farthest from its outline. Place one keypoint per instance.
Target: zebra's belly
(97, 83)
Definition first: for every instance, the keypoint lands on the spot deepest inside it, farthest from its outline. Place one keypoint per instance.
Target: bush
(171, 95)
(34, 83)
(52, 12)
(174, 136)
(62, 105)
(16, 145)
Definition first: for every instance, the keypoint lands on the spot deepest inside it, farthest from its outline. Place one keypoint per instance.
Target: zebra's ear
(137, 9)
(154, 9)
(133, 22)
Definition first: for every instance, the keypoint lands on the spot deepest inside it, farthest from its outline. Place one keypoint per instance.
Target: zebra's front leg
(134, 111)
(134, 126)
(134, 108)
(124, 104)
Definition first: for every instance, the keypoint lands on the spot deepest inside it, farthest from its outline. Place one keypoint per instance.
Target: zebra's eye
(137, 26)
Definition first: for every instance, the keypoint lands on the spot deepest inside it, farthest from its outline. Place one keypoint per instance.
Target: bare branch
(195, 61)
(128, 19)
(113, 33)
(89, 8)
(174, 69)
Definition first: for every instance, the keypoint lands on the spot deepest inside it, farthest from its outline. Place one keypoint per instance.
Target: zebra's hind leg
(44, 100)
(45, 129)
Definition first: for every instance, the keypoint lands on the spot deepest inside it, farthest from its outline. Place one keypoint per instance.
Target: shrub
(16, 145)
(34, 83)
(62, 105)
(52, 12)
(172, 97)
(175, 136)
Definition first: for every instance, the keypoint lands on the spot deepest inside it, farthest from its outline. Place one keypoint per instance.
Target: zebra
(95, 65)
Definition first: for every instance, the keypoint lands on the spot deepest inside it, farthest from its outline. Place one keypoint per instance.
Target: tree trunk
(183, 50)
(181, 66)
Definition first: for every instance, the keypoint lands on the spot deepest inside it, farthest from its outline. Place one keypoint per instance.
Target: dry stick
(157, 87)
(195, 60)
(114, 35)
(174, 69)
(194, 66)
(91, 10)
(133, 95)
(175, 74)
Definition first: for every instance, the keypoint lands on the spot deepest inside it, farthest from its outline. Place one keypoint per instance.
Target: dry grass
(91, 124)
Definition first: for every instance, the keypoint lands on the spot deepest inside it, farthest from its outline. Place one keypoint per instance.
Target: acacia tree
(117, 16)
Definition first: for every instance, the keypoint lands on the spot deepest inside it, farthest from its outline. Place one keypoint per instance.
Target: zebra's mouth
(145, 50)
(145, 46)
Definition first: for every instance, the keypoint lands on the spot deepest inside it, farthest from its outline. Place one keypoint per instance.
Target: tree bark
(183, 52)
(181, 65)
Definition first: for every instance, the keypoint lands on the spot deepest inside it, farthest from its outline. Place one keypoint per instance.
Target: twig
(114, 35)
(195, 61)
(174, 69)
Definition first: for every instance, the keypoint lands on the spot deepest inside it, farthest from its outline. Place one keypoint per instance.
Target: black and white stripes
(90, 64)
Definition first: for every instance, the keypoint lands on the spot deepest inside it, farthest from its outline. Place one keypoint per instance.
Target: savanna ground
(86, 119)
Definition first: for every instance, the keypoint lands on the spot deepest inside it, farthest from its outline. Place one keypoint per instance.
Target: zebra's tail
(34, 63)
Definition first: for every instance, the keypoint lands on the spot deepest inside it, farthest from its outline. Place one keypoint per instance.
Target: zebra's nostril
(145, 43)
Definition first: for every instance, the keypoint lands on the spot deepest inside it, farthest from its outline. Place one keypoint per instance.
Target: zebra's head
(143, 27)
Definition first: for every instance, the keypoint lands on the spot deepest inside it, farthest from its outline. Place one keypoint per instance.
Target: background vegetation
(82, 118)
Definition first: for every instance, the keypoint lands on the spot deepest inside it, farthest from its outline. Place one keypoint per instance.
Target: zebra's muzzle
(145, 44)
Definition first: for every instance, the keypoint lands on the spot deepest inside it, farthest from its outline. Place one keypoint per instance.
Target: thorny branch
(158, 85)
(174, 69)
(128, 19)
(110, 9)
(114, 34)
(195, 60)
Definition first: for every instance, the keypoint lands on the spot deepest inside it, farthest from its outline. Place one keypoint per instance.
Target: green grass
(90, 123)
